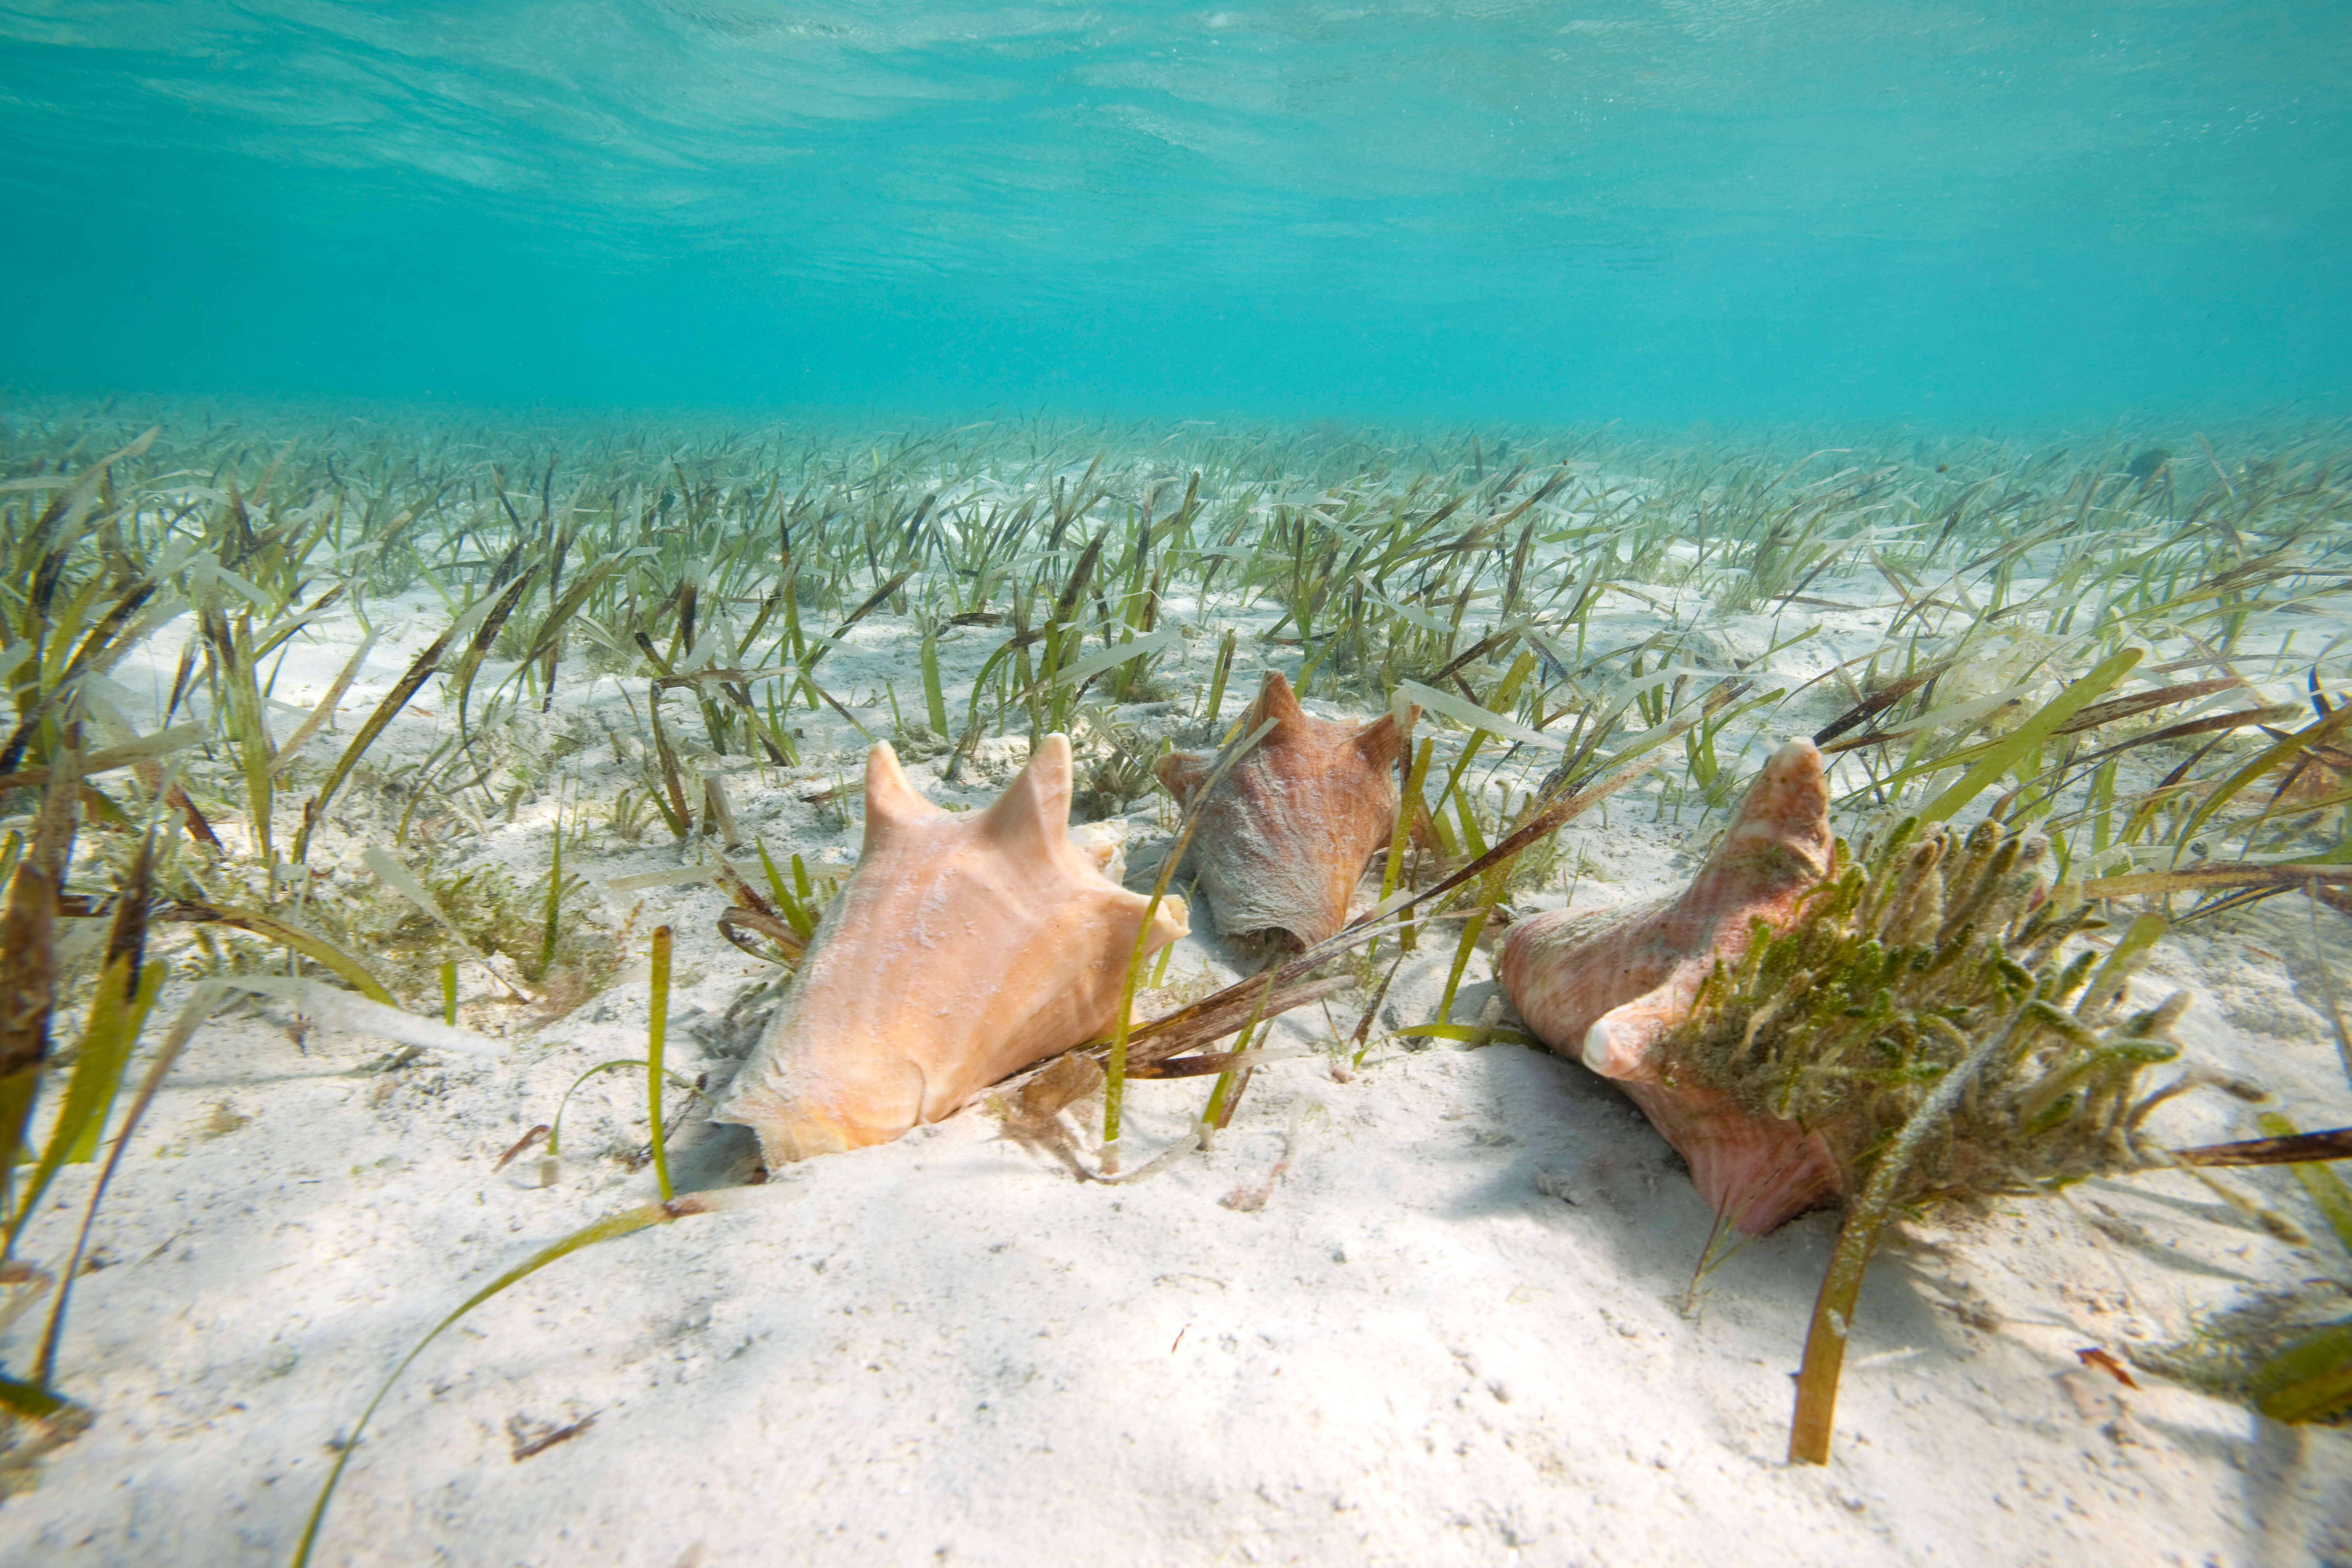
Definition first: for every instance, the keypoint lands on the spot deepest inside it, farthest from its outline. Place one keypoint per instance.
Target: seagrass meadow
(410, 821)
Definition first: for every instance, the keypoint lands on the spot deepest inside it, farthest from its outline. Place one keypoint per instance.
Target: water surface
(1758, 209)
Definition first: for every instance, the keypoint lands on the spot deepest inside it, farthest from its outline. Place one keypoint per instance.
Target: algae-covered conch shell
(1607, 985)
(963, 948)
(1285, 837)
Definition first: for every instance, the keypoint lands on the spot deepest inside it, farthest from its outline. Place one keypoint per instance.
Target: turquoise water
(1931, 211)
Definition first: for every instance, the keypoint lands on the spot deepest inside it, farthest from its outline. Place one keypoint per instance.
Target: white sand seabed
(1439, 1312)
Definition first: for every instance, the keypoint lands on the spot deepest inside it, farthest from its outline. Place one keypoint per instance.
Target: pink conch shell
(965, 947)
(1284, 839)
(1606, 985)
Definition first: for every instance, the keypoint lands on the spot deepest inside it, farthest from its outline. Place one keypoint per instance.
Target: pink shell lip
(964, 948)
(1757, 1171)
(1606, 987)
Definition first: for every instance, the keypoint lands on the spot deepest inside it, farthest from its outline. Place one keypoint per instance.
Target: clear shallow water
(1931, 211)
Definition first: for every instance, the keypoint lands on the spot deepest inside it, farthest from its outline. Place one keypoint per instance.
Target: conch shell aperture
(964, 947)
(1284, 839)
(1605, 987)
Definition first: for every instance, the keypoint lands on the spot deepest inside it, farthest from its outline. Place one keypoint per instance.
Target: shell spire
(963, 948)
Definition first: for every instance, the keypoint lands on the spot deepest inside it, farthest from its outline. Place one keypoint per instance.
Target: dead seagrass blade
(1285, 838)
(1606, 985)
(964, 947)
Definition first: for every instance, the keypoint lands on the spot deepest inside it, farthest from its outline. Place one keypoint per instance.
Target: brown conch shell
(1606, 985)
(964, 947)
(1283, 840)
